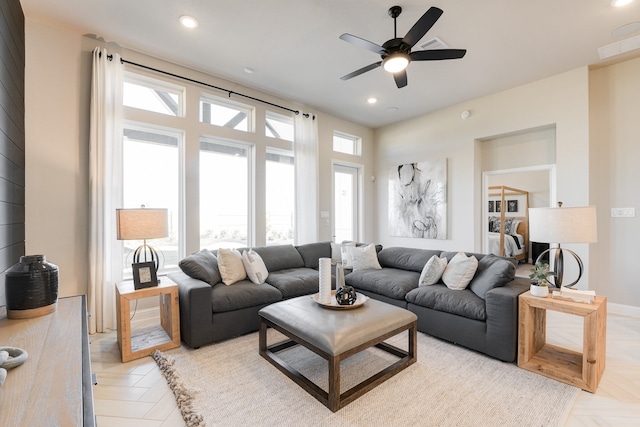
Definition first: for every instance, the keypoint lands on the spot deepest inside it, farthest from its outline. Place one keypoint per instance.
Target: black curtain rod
(230, 92)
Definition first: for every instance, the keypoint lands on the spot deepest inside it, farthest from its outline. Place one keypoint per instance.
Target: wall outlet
(623, 212)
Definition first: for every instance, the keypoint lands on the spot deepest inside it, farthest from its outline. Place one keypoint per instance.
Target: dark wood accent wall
(12, 139)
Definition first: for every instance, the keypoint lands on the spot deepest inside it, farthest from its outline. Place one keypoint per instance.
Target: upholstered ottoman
(335, 334)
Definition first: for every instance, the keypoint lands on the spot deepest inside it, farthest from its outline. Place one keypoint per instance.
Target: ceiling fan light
(396, 62)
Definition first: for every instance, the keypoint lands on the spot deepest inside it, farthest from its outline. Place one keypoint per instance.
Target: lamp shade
(141, 223)
(563, 225)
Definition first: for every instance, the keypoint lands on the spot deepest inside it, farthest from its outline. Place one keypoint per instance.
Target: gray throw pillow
(493, 271)
(202, 265)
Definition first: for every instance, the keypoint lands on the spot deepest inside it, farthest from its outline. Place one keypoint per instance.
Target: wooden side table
(582, 370)
(135, 346)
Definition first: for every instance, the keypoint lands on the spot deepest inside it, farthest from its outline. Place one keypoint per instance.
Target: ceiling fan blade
(423, 25)
(361, 70)
(437, 54)
(400, 78)
(365, 44)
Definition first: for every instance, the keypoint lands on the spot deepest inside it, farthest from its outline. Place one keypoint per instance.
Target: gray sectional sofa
(483, 317)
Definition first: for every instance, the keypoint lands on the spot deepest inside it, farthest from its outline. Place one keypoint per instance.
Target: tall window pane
(151, 178)
(280, 197)
(224, 195)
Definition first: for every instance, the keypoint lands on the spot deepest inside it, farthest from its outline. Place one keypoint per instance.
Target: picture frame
(144, 275)
(491, 205)
(512, 206)
(498, 206)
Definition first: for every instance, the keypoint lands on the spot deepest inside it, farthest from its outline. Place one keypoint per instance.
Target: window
(226, 113)
(280, 197)
(224, 194)
(345, 202)
(151, 177)
(152, 95)
(279, 126)
(347, 144)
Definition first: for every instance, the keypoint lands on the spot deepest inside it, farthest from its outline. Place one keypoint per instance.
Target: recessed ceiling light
(627, 29)
(620, 3)
(391, 109)
(248, 70)
(372, 100)
(188, 21)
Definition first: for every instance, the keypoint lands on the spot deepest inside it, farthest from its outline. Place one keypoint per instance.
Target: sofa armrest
(502, 319)
(195, 309)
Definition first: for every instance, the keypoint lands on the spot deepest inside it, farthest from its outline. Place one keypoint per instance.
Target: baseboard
(623, 310)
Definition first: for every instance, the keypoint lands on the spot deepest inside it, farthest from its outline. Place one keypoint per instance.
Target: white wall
(560, 101)
(615, 150)
(58, 77)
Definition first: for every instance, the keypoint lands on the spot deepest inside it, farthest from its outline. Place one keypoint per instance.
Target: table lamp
(142, 224)
(562, 225)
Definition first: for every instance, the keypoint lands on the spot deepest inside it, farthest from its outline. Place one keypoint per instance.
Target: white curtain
(306, 158)
(105, 177)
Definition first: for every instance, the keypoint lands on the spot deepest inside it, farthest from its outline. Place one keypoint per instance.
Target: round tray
(360, 299)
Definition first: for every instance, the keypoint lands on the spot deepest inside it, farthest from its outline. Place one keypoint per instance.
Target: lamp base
(145, 249)
(558, 265)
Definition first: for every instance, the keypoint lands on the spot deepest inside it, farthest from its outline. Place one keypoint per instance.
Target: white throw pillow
(460, 271)
(364, 258)
(254, 266)
(346, 255)
(231, 266)
(432, 271)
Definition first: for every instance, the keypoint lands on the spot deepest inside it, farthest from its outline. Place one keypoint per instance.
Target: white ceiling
(294, 48)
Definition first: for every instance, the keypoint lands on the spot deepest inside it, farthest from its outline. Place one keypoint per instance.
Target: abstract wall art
(418, 200)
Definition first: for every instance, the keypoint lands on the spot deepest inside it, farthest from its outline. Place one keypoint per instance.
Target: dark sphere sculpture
(346, 295)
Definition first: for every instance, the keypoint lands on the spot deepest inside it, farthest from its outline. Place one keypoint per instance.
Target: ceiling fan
(396, 53)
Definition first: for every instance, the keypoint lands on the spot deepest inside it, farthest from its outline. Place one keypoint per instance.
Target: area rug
(229, 384)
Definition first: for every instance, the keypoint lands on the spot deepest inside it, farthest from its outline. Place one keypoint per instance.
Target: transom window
(226, 113)
(153, 95)
(279, 126)
(348, 144)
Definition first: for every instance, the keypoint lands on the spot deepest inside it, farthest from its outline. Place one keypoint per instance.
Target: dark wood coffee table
(335, 335)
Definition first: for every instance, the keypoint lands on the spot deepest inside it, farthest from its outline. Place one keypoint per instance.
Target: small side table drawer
(582, 370)
(164, 337)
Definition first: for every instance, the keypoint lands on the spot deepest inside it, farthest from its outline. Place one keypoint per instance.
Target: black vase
(31, 287)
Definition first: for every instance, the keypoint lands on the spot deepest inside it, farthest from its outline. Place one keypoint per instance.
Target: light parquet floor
(136, 394)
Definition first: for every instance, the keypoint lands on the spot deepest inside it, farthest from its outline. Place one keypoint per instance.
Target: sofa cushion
(493, 271)
(241, 295)
(459, 271)
(406, 258)
(254, 266)
(280, 257)
(364, 258)
(202, 265)
(293, 282)
(312, 252)
(449, 255)
(432, 271)
(438, 297)
(390, 282)
(231, 266)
